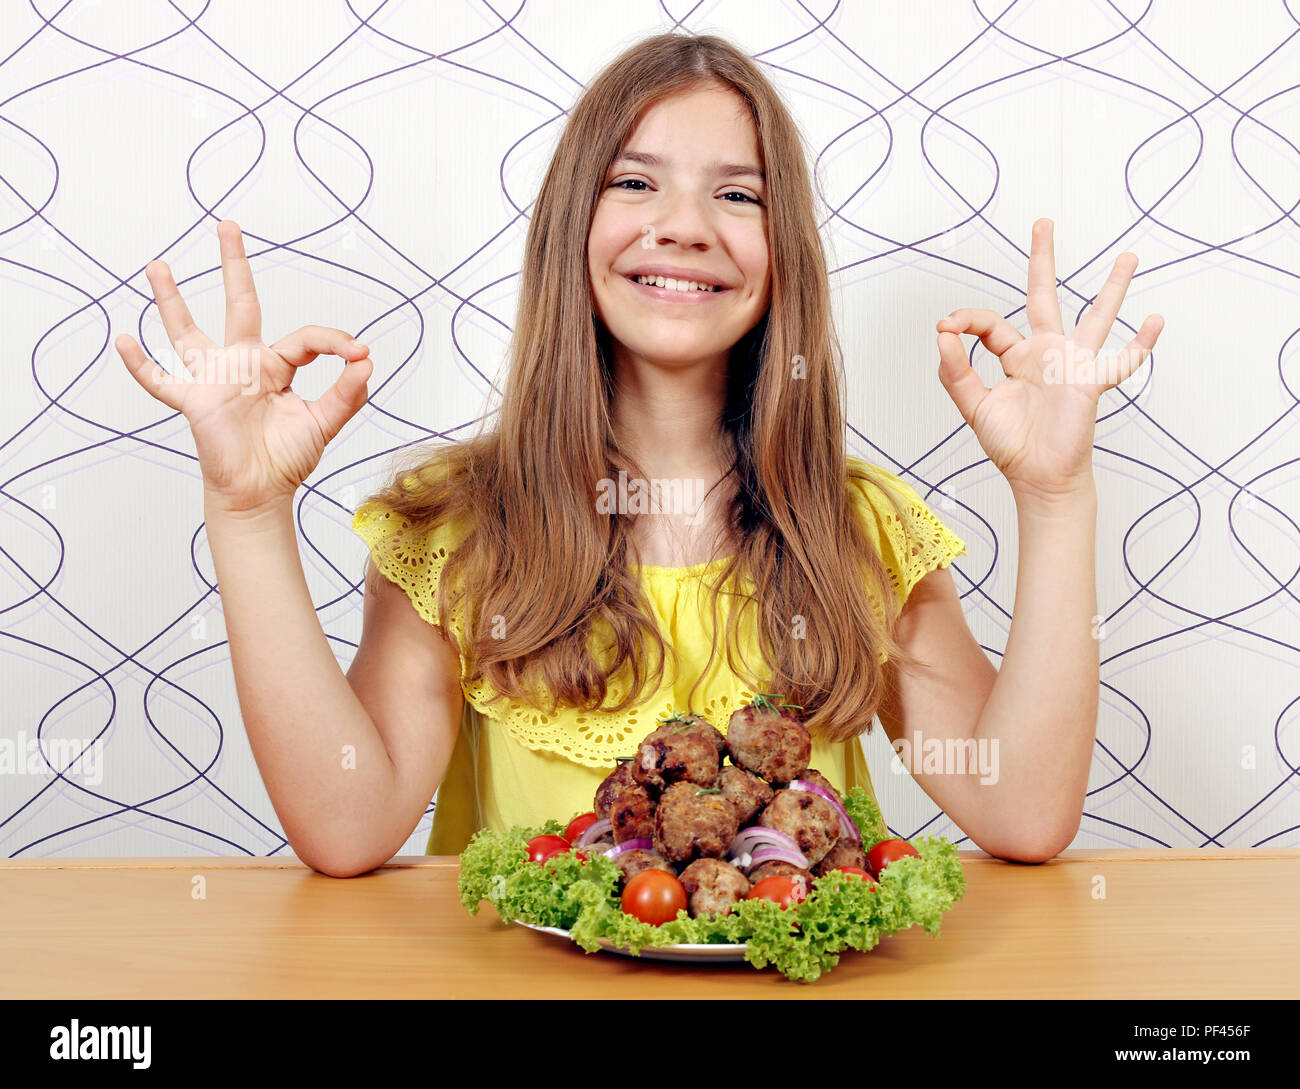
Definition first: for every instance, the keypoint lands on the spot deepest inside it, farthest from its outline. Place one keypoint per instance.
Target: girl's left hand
(1037, 426)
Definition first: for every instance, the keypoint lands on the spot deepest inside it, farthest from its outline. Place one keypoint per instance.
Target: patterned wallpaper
(382, 157)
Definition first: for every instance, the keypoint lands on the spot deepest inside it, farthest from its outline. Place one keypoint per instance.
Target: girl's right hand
(256, 439)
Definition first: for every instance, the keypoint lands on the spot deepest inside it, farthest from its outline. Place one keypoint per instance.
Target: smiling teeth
(675, 285)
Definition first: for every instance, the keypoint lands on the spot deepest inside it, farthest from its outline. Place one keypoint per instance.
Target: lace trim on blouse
(920, 546)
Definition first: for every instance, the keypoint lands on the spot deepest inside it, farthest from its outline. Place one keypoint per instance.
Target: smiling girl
(522, 632)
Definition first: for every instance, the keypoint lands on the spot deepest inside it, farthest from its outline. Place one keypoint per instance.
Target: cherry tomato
(887, 851)
(579, 825)
(541, 846)
(654, 896)
(780, 889)
(856, 870)
(581, 852)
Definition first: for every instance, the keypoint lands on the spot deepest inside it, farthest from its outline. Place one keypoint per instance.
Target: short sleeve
(410, 559)
(910, 548)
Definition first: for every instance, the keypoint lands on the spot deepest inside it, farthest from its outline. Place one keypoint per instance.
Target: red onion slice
(593, 833)
(642, 843)
(847, 828)
(757, 841)
(749, 838)
(776, 854)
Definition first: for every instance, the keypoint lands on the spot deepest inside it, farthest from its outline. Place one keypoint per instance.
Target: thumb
(959, 378)
(344, 398)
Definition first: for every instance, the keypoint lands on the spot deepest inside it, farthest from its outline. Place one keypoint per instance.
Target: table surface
(1182, 923)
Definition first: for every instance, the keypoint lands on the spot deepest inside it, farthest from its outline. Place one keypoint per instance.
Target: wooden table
(1207, 923)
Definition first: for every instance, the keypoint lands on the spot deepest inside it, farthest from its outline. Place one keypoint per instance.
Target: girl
(533, 605)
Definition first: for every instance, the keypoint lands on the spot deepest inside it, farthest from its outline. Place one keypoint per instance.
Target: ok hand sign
(1037, 426)
(256, 439)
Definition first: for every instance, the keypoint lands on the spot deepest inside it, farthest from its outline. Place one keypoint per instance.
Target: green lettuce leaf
(803, 941)
(866, 815)
(490, 859)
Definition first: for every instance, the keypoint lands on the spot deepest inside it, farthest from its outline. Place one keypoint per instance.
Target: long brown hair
(539, 553)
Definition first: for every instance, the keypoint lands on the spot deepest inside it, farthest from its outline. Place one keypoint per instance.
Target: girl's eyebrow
(727, 170)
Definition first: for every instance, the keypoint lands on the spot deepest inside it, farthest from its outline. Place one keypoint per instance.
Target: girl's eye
(625, 182)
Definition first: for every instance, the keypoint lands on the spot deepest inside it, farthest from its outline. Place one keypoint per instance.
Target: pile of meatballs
(679, 792)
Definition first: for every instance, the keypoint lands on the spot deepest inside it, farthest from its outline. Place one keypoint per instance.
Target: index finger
(995, 331)
(1042, 307)
(243, 311)
(303, 345)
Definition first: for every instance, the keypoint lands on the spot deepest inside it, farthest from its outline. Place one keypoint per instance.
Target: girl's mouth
(678, 291)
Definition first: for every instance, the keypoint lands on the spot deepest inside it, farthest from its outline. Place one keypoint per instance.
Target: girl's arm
(1025, 731)
(349, 767)
(1033, 723)
(1042, 712)
(350, 763)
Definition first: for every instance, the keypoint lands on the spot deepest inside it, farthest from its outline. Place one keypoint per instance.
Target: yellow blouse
(513, 764)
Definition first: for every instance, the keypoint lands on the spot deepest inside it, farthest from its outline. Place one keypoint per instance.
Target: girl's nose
(683, 218)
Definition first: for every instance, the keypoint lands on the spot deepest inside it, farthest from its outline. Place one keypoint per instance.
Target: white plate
(697, 953)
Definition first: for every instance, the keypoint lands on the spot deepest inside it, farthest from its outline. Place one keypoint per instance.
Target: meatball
(634, 862)
(701, 727)
(807, 819)
(691, 823)
(680, 750)
(713, 887)
(616, 780)
(628, 805)
(745, 791)
(846, 852)
(773, 744)
(778, 869)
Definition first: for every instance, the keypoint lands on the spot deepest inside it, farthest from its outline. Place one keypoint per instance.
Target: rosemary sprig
(686, 718)
(765, 701)
(709, 790)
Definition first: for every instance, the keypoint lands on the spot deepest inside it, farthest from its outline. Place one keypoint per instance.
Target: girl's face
(683, 201)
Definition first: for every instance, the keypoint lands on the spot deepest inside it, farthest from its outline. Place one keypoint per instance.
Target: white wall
(397, 209)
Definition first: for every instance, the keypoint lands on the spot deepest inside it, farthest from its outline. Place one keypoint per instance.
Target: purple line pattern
(382, 158)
